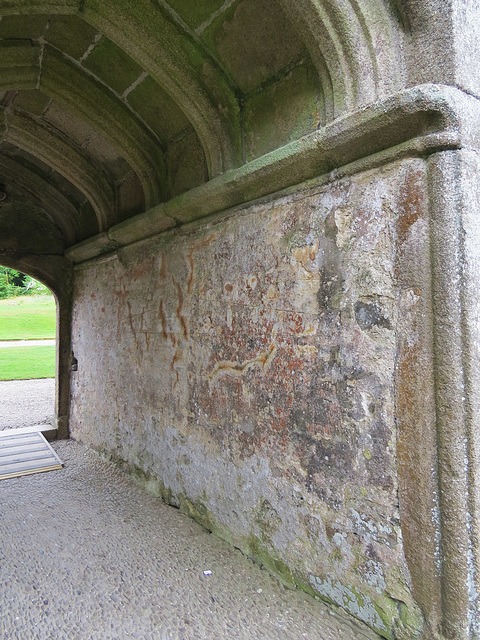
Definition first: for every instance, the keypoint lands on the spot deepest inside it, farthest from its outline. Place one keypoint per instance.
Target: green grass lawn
(27, 318)
(26, 363)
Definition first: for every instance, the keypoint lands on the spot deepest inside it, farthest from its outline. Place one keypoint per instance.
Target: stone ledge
(417, 121)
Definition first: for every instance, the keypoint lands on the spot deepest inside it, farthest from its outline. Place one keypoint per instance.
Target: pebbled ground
(26, 402)
(86, 553)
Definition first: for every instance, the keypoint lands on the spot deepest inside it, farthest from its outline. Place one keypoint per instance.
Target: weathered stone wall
(300, 374)
(253, 366)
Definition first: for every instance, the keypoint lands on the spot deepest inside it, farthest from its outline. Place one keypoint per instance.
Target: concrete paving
(4, 344)
(88, 554)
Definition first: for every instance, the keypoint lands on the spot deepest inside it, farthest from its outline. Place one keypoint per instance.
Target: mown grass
(27, 363)
(27, 318)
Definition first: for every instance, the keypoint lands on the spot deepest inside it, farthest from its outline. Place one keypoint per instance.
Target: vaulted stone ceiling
(110, 107)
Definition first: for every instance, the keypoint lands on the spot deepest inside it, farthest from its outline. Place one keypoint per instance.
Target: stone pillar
(454, 190)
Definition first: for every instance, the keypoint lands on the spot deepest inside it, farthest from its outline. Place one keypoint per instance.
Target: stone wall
(299, 373)
(255, 366)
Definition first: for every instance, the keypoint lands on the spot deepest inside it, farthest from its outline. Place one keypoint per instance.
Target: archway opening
(28, 332)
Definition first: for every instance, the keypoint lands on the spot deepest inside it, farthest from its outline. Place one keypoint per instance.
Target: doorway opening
(28, 340)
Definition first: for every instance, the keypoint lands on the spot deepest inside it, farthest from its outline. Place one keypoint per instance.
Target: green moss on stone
(157, 109)
(195, 54)
(252, 55)
(392, 619)
(197, 510)
(146, 479)
(144, 27)
(267, 520)
(35, 102)
(218, 85)
(337, 554)
(282, 112)
(112, 65)
(23, 27)
(100, 109)
(20, 64)
(186, 163)
(402, 620)
(71, 35)
(255, 549)
(195, 13)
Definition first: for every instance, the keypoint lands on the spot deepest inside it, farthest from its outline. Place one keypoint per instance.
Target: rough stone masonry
(256, 379)
(260, 220)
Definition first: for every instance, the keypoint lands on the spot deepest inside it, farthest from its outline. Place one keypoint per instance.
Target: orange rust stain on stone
(142, 320)
(130, 320)
(176, 358)
(295, 322)
(181, 318)
(324, 431)
(143, 269)
(263, 359)
(407, 380)
(163, 320)
(191, 274)
(415, 463)
(204, 242)
(163, 268)
(412, 205)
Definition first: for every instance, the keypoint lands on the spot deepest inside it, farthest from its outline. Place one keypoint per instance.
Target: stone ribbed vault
(259, 218)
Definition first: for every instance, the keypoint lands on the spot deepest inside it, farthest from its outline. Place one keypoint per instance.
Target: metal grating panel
(24, 453)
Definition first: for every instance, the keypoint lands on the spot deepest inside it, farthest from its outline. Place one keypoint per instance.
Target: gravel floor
(88, 554)
(26, 402)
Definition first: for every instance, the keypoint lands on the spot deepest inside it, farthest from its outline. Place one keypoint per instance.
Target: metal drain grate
(24, 453)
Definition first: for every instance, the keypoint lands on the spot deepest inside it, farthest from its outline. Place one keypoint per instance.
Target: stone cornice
(417, 121)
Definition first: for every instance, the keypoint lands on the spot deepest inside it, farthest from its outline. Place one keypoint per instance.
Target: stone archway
(56, 274)
(28, 321)
(261, 213)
